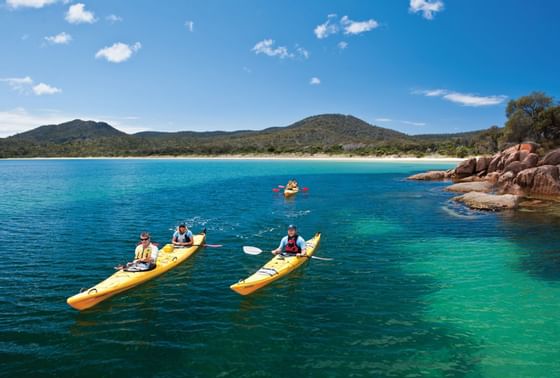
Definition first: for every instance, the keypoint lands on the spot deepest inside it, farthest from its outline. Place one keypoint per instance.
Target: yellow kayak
(276, 268)
(290, 192)
(122, 281)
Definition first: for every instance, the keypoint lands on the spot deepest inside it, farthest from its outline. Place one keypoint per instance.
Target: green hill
(327, 133)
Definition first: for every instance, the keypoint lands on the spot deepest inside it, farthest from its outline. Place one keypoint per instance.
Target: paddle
(199, 245)
(257, 251)
(281, 186)
(276, 190)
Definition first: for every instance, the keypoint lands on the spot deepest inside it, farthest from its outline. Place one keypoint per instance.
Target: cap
(292, 226)
(182, 225)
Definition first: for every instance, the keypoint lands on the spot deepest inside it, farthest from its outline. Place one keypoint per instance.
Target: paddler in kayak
(182, 237)
(145, 256)
(291, 244)
(292, 184)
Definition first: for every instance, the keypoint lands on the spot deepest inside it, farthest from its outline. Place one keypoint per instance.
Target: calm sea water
(418, 287)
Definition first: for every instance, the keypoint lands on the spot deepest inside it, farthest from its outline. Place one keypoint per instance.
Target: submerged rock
(484, 201)
(430, 176)
(475, 186)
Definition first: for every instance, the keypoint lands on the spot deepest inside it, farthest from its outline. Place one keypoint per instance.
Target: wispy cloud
(266, 47)
(303, 52)
(189, 25)
(385, 120)
(348, 26)
(315, 81)
(24, 85)
(465, 99)
(327, 28)
(19, 84)
(426, 7)
(113, 18)
(14, 4)
(358, 27)
(59, 39)
(342, 45)
(77, 14)
(118, 52)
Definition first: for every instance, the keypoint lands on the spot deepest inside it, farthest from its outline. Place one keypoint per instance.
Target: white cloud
(349, 27)
(113, 18)
(315, 81)
(78, 15)
(427, 7)
(45, 89)
(189, 25)
(20, 84)
(358, 27)
(383, 120)
(303, 52)
(59, 39)
(413, 123)
(465, 99)
(118, 52)
(342, 45)
(266, 47)
(326, 29)
(29, 3)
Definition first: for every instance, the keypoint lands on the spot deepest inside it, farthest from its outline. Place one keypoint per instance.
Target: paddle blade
(281, 186)
(252, 250)
(213, 245)
(305, 189)
(276, 190)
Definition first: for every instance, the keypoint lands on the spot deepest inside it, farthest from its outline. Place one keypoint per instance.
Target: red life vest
(292, 246)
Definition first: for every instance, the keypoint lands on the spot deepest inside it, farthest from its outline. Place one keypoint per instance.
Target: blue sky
(416, 66)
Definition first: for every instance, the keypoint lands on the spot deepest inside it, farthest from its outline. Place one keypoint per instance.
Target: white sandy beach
(385, 159)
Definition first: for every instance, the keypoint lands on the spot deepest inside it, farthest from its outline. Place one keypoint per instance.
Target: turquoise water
(418, 287)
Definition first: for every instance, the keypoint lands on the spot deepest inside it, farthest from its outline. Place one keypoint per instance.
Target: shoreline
(384, 159)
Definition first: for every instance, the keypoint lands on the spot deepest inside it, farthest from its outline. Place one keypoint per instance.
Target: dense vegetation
(533, 117)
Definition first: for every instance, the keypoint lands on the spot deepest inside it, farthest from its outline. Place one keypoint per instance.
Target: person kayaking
(145, 256)
(292, 184)
(182, 237)
(292, 244)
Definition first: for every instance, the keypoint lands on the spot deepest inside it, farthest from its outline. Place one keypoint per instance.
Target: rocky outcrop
(482, 164)
(475, 186)
(552, 158)
(466, 168)
(431, 176)
(493, 202)
(542, 180)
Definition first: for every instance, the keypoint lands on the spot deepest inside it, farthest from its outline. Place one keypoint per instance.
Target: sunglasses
(144, 239)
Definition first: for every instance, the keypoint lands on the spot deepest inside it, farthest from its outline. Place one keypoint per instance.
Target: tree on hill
(533, 118)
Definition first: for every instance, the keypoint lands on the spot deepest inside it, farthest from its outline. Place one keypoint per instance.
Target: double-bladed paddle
(257, 251)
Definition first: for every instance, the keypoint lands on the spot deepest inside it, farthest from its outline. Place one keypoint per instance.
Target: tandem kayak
(290, 192)
(122, 281)
(276, 268)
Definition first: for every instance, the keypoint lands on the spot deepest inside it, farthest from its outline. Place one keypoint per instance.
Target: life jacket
(182, 238)
(143, 253)
(292, 246)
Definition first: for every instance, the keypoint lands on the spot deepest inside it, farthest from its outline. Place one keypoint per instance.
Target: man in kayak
(145, 256)
(182, 237)
(292, 244)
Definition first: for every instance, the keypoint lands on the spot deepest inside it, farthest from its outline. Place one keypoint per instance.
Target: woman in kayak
(292, 244)
(145, 256)
(182, 237)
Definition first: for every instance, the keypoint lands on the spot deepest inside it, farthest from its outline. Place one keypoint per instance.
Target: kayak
(290, 192)
(122, 281)
(276, 268)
